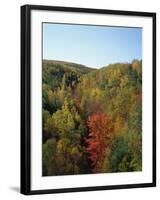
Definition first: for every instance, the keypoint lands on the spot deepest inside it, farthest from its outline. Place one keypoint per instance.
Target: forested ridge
(92, 118)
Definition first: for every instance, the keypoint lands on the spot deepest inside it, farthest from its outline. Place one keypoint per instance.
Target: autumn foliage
(92, 118)
(101, 131)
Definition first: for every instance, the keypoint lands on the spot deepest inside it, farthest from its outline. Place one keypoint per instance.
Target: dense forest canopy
(92, 118)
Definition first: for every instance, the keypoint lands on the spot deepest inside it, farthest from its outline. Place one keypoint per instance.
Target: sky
(93, 46)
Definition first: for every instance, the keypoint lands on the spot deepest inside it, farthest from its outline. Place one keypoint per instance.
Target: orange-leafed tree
(100, 135)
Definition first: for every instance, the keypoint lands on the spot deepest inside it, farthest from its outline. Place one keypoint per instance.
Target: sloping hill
(67, 66)
(54, 71)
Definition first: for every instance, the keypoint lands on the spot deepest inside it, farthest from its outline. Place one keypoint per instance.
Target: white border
(42, 183)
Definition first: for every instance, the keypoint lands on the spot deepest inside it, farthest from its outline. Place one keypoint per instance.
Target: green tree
(49, 152)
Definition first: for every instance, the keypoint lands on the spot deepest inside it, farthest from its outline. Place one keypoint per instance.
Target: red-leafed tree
(100, 135)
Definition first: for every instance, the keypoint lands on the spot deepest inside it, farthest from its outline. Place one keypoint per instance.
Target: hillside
(91, 118)
(53, 71)
(67, 66)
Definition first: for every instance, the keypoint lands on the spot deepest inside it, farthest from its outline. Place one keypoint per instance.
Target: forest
(92, 118)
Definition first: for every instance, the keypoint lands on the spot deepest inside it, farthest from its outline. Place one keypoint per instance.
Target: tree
(123, 156)
(46, 116)
(99, 139)
(49, 152)
(63, 121)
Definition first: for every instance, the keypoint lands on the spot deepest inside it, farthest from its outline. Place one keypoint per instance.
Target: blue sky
(93, 46)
